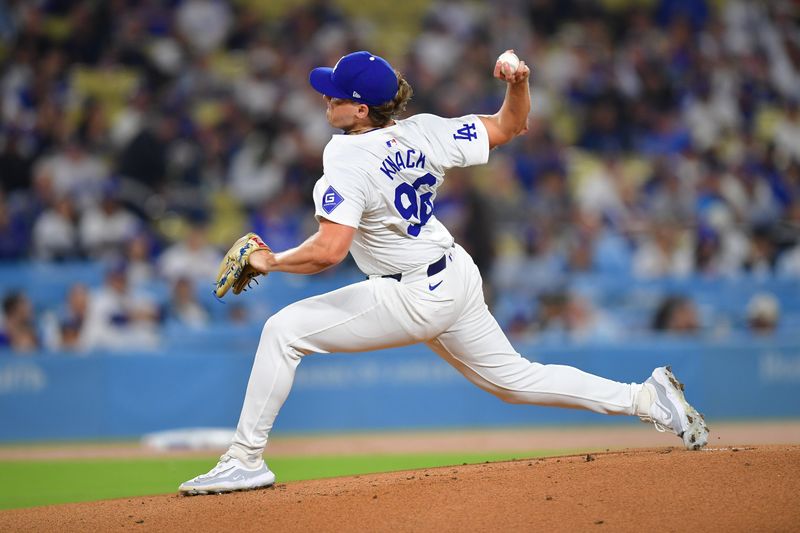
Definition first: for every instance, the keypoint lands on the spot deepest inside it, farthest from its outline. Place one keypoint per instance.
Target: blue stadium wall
(125, 395)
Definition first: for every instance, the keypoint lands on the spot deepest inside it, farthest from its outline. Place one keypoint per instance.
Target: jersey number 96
(413, 206)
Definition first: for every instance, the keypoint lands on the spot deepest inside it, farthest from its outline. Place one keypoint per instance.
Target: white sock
(250, 461)
(644, 400)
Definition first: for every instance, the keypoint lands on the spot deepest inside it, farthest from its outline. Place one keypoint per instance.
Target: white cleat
(671, 412)
(229, 475)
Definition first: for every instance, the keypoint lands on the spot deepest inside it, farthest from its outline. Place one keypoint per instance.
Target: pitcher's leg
(270, 381)
(479, 349)
(360, 317)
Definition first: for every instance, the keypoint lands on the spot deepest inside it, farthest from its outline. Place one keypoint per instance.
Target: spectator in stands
(706, 252)
(144, 159)
(669, 195)
(256, 175)
(676, 314)
(70, 337)
(93, 130)
(73, 171)
(710, 114)
(204, 24)
(184, 307)
(611, 252)
(763, 314)
(18, 330)
(193, 257)
(551, 311)
(55, 233)
(763, 253)
(15, 163)
(569, 316)
(258, 92)
(105, 229)
(64, 328)
(119, 318)
(586, 323)
(13, 231)
(665, 253)
(73, 321)
(130, 121)
(140, 260)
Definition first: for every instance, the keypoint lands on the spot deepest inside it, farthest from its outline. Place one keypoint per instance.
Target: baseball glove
(235, 270)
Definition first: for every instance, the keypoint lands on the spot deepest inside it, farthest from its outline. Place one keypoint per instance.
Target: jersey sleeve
(340, 198)
(459, 142)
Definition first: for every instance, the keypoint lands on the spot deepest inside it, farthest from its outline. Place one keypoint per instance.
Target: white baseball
(512, 60)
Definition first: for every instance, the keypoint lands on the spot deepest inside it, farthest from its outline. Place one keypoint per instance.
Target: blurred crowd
(664, 142)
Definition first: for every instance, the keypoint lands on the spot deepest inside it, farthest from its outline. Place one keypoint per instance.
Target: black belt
(433, 269)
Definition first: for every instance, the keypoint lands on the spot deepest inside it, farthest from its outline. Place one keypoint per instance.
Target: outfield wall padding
(125, 395)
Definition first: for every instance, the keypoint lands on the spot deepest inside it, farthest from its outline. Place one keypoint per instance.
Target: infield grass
(32, 483)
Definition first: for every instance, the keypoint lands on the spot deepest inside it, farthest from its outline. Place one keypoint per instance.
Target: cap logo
(356, 95)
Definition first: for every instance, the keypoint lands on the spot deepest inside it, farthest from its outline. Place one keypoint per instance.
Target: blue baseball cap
(361, 76)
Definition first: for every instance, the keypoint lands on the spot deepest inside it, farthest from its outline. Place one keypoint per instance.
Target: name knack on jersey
(400, 160)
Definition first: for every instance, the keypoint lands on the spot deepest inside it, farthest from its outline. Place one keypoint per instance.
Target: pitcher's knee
(280, 332)
(514, 398)
(509, 396)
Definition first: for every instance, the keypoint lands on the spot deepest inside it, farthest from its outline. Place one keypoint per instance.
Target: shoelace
(661, 428)
(223, 460)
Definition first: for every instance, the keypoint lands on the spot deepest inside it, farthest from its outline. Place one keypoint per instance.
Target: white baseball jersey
(383, 183)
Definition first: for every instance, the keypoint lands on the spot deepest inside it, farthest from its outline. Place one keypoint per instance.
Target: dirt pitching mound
(746, 488)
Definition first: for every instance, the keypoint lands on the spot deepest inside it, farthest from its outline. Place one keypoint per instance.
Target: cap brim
(320, 80)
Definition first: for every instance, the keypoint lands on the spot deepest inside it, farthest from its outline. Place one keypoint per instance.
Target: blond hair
(382, 114)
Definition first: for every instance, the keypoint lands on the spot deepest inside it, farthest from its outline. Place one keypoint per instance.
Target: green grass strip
(34, 483)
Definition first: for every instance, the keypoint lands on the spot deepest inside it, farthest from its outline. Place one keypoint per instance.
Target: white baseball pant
(451, 317)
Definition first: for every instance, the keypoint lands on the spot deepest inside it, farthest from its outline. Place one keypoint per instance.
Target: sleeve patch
(331, 199)
(466, 132)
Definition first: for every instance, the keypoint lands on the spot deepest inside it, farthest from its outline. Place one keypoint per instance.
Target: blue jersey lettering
(389, 168)
(398, 161)
(466, 133)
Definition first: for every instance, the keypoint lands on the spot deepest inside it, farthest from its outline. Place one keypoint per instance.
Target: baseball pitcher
(375, 200)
